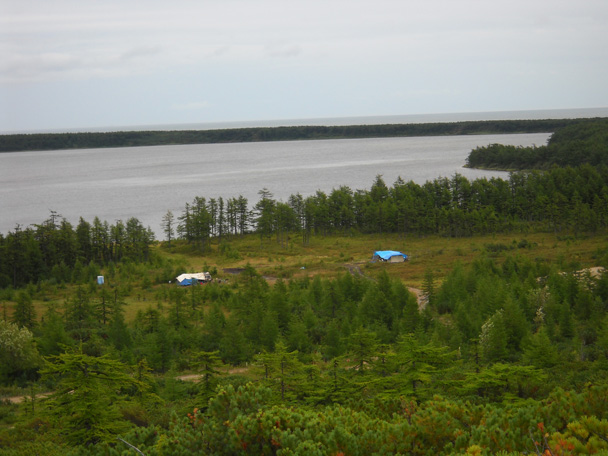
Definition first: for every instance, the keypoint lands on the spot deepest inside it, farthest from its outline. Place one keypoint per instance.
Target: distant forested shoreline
(56, 141)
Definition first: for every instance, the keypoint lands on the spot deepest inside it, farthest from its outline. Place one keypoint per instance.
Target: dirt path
(27, 397)
(355, 270)
(420, 297)
(185, 378)
(196, 377)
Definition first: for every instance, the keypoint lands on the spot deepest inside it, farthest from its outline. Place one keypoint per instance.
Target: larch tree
(168, 226)
(25, 314)
(89, 393)
(265, 214)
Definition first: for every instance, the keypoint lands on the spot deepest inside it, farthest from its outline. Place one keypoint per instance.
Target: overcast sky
(89, 63)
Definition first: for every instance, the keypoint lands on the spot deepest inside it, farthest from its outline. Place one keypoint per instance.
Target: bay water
(146, 182)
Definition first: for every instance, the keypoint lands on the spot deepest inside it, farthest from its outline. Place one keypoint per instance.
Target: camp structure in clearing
(193, 279)
(389, 256)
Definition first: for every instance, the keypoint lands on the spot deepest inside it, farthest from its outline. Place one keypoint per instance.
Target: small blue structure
(389, 256)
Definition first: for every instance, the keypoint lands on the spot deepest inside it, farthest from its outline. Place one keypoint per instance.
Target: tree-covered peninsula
(572, 145)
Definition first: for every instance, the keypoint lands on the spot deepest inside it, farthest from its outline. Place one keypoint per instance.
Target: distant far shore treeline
(56, 141)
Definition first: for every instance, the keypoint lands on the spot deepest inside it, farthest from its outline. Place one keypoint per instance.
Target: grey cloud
(192, 105)
(139, 52)
(221, 50)
(420, 56)
(283, 50)
(82, 63)
(33, 67)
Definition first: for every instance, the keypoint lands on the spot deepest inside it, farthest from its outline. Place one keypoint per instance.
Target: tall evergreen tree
(243, 214)
(52, 336)
(234, 347)
(80, 318)
(168, 226)
(87, 396)
(422, 364)
(493, 338)
(265, 214)
(540, 352)
(24, 315)
(206, 364)
(362, 349)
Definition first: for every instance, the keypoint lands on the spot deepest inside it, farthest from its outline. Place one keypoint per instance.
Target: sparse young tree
(428, 287)
(243, 214)
(168, 226)
(362, 348)
(282, 365)
(285, 221)
(422, 364)
(53, 337)
(493, 338)
(540, 352)
(80, 316)
(207, 365)
(25, 314)
(221, 218)
(234, 346)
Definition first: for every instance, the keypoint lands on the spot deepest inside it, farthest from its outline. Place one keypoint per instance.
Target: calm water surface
(145, 182)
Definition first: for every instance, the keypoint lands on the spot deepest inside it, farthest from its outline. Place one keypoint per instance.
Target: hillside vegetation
(491, 339)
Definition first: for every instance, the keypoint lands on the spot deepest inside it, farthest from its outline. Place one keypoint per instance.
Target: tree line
(560, 199)
(573, 145)
(56, 141)
(55, 249)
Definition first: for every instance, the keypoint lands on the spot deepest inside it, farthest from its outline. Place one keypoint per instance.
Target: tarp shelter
(390, 256)
(193, 279)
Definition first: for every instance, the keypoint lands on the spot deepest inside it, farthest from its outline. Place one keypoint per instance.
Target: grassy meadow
(330, 256)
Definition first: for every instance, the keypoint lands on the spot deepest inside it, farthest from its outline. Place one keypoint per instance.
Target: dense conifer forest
(569, 146)
(55, 141)
(498, 347)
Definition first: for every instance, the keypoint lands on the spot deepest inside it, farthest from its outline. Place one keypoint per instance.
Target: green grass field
(331, 256)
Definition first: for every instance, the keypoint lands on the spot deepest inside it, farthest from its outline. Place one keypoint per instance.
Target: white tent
(190, 278)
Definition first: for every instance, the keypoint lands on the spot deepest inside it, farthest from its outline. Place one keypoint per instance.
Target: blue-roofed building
(389, 256)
